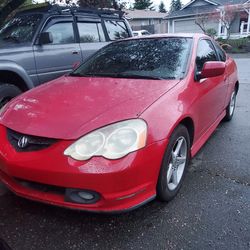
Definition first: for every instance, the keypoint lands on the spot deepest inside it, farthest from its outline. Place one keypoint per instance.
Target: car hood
(70, 107)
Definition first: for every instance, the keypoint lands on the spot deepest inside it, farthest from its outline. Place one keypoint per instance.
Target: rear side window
(90, 32)
(205, 53)
(221, 53)
(62, 32)
(116, 29)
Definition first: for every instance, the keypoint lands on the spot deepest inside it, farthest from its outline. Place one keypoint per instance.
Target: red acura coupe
(121, 128)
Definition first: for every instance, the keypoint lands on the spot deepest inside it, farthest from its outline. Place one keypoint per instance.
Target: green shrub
(236, 44)
(211, 32)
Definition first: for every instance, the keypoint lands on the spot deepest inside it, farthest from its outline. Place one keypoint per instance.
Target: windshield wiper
(137, 76)
(74, 74)
(117, 75)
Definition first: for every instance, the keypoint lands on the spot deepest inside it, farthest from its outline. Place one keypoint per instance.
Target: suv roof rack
(47, 7)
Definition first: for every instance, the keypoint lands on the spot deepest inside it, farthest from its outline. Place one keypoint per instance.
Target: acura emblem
(22, 142)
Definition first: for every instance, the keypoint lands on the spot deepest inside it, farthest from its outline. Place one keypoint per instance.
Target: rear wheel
(174, 164)
(7, 92)
(231, 107)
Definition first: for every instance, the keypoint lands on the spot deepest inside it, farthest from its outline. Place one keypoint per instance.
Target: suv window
(205, 53)
(20, 29)
(221, 53)
(62, 32)
(116, 29)
(90, 32)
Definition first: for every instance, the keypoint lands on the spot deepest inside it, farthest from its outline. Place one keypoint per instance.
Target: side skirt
(201, 141)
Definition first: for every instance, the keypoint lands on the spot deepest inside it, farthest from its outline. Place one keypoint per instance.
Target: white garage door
(186, 26)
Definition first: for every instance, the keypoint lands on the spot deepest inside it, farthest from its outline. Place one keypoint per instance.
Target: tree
(227, 16)
(162, 8)
(202, 21)
(175, 5)
(224, 14)
(8, 6)
(143, 4)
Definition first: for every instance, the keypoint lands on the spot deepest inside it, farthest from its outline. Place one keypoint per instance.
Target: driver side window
(205, 53)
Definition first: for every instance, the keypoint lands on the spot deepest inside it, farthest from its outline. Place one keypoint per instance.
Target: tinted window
(205, 53)
(116, 29)
(143, 58)
(221, 53)
(20, 29)
(62, 32)
(90, 32)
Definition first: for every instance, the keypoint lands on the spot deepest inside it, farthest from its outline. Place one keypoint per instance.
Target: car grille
(45, 188)
(33, 143)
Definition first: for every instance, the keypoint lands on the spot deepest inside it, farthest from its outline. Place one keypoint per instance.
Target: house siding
(198, 3)
(138, 22)
(188, 25)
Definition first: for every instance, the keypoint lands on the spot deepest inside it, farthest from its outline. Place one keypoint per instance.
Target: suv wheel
(7, 92)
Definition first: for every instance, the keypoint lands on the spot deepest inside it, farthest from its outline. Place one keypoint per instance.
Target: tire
(230, 107)
(7, 92)
(173, 170)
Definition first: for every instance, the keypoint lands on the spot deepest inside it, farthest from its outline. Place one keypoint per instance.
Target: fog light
(81, 196)
(86, 196)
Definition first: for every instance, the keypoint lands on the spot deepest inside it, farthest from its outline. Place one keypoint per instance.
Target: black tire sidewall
(229, 117)
(8, 90)
(163, 192)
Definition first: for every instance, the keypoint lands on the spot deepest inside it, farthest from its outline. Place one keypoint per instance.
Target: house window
(222, 30)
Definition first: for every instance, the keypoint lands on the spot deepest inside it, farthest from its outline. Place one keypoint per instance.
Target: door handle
(75, 52)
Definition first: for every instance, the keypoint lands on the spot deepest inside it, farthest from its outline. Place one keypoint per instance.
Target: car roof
(50, 9)
(181, 35)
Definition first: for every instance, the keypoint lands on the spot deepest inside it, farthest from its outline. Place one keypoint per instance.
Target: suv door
(91, 35)
(212, 91)
(58, 57)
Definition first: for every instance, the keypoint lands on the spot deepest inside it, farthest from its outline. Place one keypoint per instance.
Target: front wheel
(231, 107)
(7, 92)
(174, 164)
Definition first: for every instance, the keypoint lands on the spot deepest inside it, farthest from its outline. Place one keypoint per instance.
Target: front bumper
(122, 184)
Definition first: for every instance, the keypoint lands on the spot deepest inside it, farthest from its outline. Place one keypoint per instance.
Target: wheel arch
(12, 73)
(189, 124)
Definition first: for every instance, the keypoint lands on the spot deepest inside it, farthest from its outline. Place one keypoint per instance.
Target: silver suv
(43, 43)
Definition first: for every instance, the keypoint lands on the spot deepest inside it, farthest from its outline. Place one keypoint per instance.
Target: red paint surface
(70, 107)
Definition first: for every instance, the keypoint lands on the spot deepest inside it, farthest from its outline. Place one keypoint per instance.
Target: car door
(211, 91)
(58, 57)
(91, 35)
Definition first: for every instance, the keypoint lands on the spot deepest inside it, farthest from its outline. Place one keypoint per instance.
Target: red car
(120, 129)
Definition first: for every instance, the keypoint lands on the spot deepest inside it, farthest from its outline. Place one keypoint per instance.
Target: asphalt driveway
(212, 210)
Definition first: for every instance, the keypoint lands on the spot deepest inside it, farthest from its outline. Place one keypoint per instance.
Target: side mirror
(211, 69)
(45, 38)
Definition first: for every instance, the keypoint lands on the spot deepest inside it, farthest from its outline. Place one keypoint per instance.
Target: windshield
(152, 58)
(20, 29)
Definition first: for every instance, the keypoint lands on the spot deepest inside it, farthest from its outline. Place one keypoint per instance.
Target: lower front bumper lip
(57, 200)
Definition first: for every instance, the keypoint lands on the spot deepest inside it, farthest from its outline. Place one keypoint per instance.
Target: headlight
(112, 142)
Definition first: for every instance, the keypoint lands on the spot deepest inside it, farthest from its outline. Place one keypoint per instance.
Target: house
(150, 20)
(217, 14)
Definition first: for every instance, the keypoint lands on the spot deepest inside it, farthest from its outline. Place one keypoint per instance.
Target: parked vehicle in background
(140, 33)
(41, 44)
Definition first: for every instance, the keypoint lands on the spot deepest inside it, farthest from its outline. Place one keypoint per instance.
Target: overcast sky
(166, 2)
